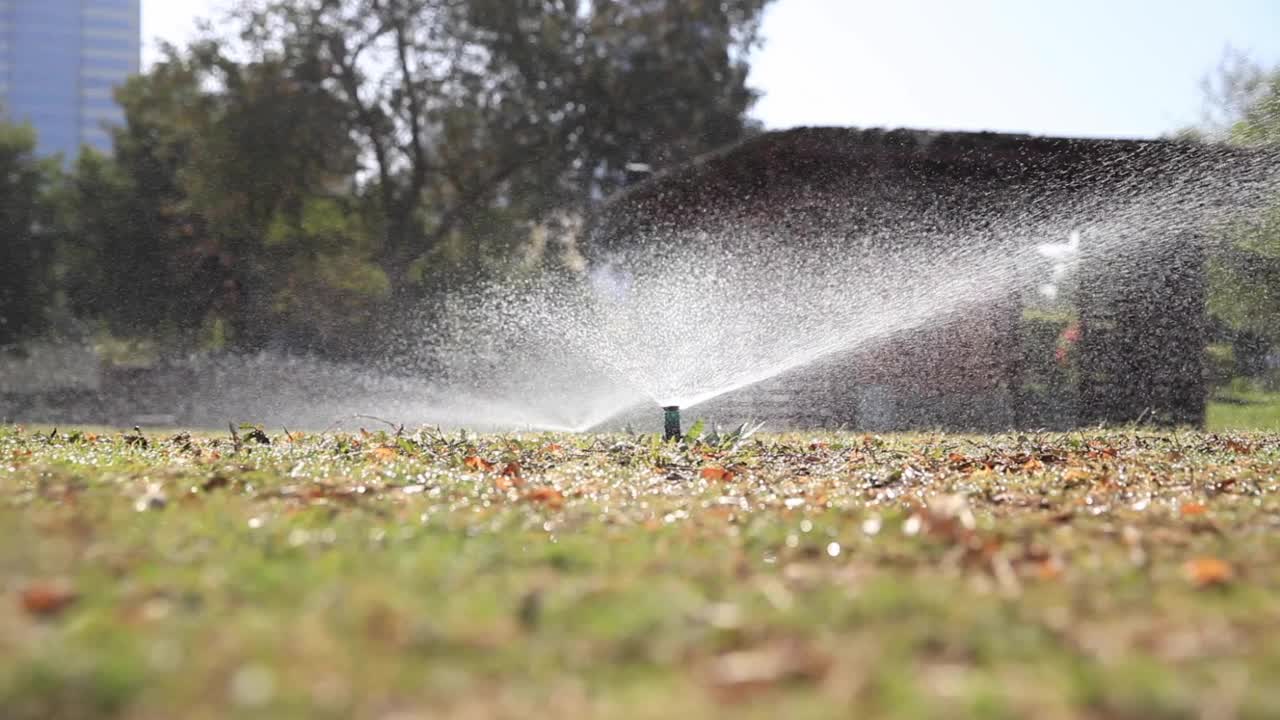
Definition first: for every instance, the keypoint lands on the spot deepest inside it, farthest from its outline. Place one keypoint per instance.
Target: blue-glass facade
(60, 61)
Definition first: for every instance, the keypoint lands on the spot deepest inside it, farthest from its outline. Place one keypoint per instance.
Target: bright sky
(1123, 68)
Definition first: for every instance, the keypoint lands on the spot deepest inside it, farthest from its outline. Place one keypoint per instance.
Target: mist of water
(683, 320)
(691, 314)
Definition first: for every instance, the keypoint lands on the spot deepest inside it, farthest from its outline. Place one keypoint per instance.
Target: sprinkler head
(671, 422)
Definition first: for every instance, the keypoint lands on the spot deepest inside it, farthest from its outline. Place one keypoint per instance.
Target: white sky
(1124, 68)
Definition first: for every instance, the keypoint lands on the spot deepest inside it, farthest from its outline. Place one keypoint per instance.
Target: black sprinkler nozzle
(671, 422)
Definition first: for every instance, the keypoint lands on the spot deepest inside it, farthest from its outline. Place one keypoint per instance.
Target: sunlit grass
(1244, 410)
(424, 575)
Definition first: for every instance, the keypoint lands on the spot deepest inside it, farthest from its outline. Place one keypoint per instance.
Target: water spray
(671, 422)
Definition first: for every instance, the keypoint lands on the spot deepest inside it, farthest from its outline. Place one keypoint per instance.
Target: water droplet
(871, 525)
(913, 525)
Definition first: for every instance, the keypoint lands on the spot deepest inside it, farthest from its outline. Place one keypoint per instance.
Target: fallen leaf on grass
(1192, 509)
(715, 472)
(1049, 569)
(47, 598)
(1239, 447)
(1075, 475)
(1208, 572)
(510, 477)
(383, 454)
(551, 497)
(1099, 450)
(475, 462)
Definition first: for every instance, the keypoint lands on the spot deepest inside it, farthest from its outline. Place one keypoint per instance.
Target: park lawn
(1231, 410)
(384, 575)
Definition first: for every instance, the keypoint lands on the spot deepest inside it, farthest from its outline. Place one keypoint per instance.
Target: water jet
(818, 278)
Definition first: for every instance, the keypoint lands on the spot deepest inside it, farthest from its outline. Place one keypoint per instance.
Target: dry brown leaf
(1192, 509)
(1239, 447)
(511, 477)
(475, 462)
(1074, 474)
(383, 454)
(715, 472)
(1049, 569)
(549, 496)
(47, 598)
(1208, 572)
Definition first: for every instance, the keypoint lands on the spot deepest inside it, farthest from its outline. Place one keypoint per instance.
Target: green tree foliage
(1242, 101)
(475, 118)
(26, 244)
(284, 183)
(205, 228)
(1244, 108)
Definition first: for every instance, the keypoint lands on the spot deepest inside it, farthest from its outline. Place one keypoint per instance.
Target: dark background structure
(1141, 302)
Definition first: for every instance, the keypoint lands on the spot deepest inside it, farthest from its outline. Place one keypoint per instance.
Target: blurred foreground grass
(373, 575)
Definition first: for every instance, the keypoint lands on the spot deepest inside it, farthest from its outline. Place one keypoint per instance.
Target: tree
(1243, 107)
(136, 258)
(284, 187)
(208, 227)
(1242, 101)
(27, 245)
(476, 117)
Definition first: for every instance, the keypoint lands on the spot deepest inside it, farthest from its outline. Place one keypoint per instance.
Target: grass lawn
(1105, 575)
(1243, 410)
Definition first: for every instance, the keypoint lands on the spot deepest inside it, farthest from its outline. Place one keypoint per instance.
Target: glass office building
(60, 60)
